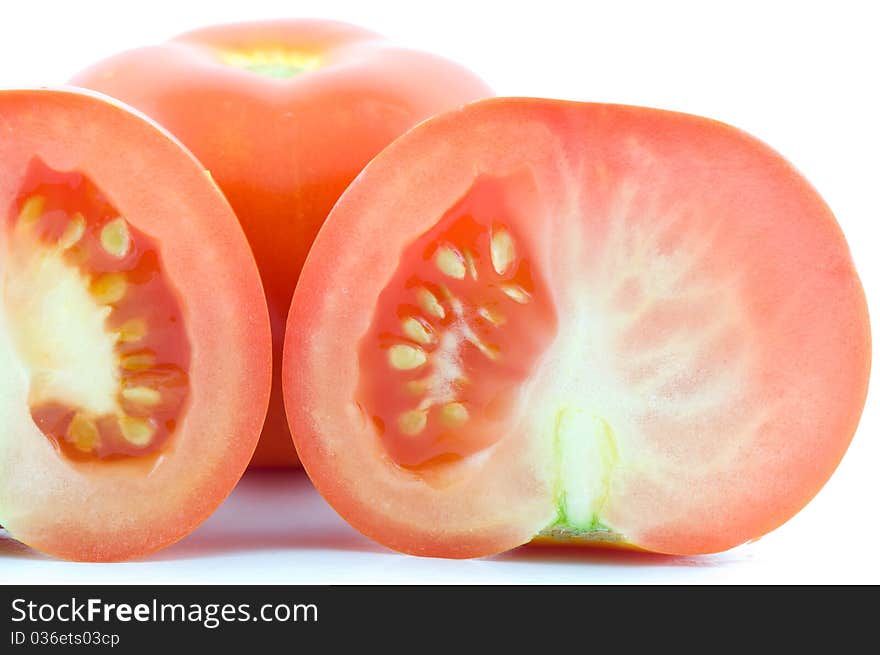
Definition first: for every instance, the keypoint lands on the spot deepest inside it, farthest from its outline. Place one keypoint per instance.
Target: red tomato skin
(284, 150)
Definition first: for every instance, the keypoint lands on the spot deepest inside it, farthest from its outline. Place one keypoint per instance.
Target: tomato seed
(73, 232)
(109, 288)
(115, 238)
(142, 396)
(429, 303)
(405, 357)
(450, 262)
(413, 421)
(417, 331)
(137, 431)
(83, 432)
(502, 250)
(454, 414)
(132, 330)
(516, 293)
(31, 210)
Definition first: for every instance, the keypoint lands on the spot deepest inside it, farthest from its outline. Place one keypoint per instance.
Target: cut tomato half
(135, 348)
(581, 322)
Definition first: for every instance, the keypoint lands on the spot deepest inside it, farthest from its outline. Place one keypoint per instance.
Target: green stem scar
(585, 456)
(277, 64)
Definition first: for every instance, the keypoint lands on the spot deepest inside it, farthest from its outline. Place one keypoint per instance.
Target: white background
(801, 76)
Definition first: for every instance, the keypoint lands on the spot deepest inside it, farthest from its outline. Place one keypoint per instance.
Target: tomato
(284, 114)
(535, 319)
(135, 348)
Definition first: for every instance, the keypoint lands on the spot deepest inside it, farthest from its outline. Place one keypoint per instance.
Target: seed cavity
(405, 358)
(429, 303)
(32, 209)
(136, 431)
(132, 330)
(73, 232)
(450, 330)
(419, 332)
(83, 432)
(413, 421)
(454, 415)
(100, 376)
(516, 293)
(450, 262)
(109, 288)
(115, 238)
(144, 396)
(502, 250)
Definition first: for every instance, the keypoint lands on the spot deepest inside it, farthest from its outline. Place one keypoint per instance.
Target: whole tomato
(284, 114)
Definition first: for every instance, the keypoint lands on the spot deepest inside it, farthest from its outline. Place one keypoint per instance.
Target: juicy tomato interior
(456, 332)
(98, 325)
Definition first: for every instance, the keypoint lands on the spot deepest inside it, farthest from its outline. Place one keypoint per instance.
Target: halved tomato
(584, 322)
(135, 351)
(284, 114)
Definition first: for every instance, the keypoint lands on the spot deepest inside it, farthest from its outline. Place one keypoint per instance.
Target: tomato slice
(130, 311)
(285, 114)
(579, 322)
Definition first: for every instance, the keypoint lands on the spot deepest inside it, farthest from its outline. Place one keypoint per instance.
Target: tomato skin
(283, 150)
(797, 310)
(111, 511)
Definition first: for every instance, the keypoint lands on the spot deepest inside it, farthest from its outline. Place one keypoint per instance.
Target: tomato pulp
(284, 114)
(134, 340)
(580, 322)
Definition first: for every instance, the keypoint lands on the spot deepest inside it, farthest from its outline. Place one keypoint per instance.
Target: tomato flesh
(61, 224)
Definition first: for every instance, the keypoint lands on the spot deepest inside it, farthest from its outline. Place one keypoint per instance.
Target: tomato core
(456, 331)
(98, 326)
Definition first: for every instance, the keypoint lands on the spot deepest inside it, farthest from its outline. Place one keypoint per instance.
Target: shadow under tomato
(9, 547)
(579, 555)
(270, 510)
(279, 510)
(208, 545)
